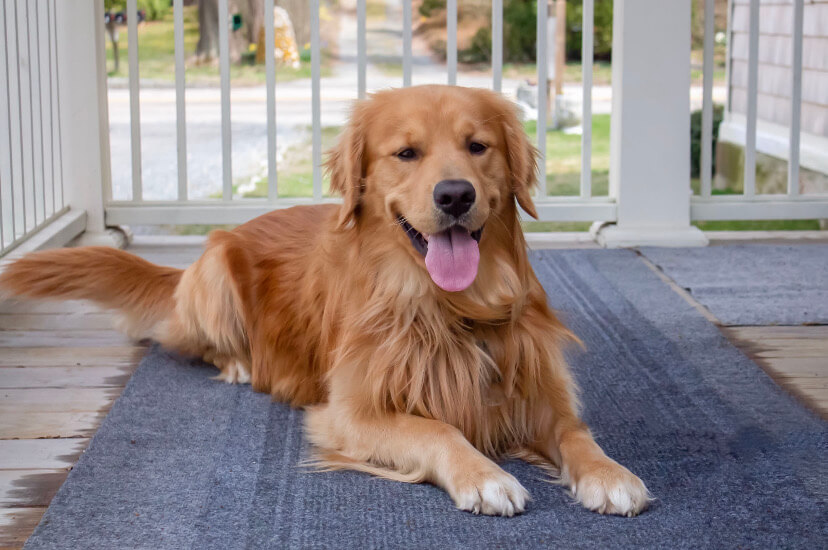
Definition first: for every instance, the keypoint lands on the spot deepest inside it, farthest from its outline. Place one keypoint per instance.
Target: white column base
(609, 235)
(116, 237)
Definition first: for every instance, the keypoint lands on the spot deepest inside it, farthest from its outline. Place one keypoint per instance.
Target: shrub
(519, 20)
(695, 139)
(519, 30)
(429, 6)
(155, 9)
(480, 49)
(520, 26)
(602, 37)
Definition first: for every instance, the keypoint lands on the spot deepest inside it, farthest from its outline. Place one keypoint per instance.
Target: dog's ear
(345, 165)
(522, 158)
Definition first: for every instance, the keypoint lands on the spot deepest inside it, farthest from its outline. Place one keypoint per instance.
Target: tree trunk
(255, 20)
(112, 30)
(208, 42)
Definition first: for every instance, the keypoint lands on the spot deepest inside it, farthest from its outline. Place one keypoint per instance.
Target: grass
(296, 170)
(759, 225)
(563, 158)
(601, 71)
(156, 56)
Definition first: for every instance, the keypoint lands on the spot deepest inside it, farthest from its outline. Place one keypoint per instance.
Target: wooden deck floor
(62, 366)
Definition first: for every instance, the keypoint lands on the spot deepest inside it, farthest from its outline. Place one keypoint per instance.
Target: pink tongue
(452, 259)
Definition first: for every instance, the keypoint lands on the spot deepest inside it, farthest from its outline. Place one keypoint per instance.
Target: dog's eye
(407, 154)
(476, 148)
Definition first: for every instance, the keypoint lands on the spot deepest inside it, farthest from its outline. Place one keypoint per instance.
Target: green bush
(428, 6)
(480, 50)
(520, 31)
(602, 37)
(695, 139)
(155, 9)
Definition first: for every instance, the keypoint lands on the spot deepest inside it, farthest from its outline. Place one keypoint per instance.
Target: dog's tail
(112, 278)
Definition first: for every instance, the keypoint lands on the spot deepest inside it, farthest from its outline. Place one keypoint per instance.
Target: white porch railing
(55, 120)
(31, 157)
(230, 209)
(749, 205)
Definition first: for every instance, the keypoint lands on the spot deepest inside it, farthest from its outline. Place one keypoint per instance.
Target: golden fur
(331, 308)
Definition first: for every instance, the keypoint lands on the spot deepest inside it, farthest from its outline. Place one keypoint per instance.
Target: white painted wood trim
(406, 43)
(796, 98)
(270, 69)
(497, 45)
(226, 124)
(180, 98)
(362, 62)
(760, 207)
(316, 108)
(706, 161)
(543, 77)
(198, 212)
(650, 126)
(83, 109)
(134, 98)
(753, 81)
(587, 40)
(56, 232)
(451, 41)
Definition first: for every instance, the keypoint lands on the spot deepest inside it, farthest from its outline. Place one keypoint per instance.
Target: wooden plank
(17, 524)
(807, 332)
(38, 400)
(796, 357)
(74, 338)
(800, 366)
(71, 356)
(65, 377)
(39, 425)
(56, 321)
(40, 454)
(27, 488)
(43, 306)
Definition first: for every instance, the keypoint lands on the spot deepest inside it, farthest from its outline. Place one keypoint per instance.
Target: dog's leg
(411, 448)
(596, 481)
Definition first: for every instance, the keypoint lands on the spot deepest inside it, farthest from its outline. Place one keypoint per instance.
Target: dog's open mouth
(451, 256)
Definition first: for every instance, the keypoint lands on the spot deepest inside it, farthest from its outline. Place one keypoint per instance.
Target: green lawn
(563, 158)
(156, 56)
(601, 71)
(295, 172)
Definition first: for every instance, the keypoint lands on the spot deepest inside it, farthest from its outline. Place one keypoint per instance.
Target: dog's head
(437, 163)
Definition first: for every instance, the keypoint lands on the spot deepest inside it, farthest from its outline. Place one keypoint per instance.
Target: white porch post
(84, 116)
(650, 129)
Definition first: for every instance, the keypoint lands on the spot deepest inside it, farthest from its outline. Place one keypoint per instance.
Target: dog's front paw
(493, 493)
(232, 371)
(609, 488)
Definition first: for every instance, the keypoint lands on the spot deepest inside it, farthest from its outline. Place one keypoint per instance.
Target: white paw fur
(612, 489)
(493, 495)
(233, 372)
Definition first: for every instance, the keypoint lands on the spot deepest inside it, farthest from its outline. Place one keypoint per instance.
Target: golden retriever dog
(407, 321)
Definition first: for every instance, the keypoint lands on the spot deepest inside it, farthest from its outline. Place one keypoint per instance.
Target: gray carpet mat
(182, 461)
(753, 284)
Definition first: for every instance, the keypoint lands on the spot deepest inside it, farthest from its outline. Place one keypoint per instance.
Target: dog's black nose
(454, 197)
